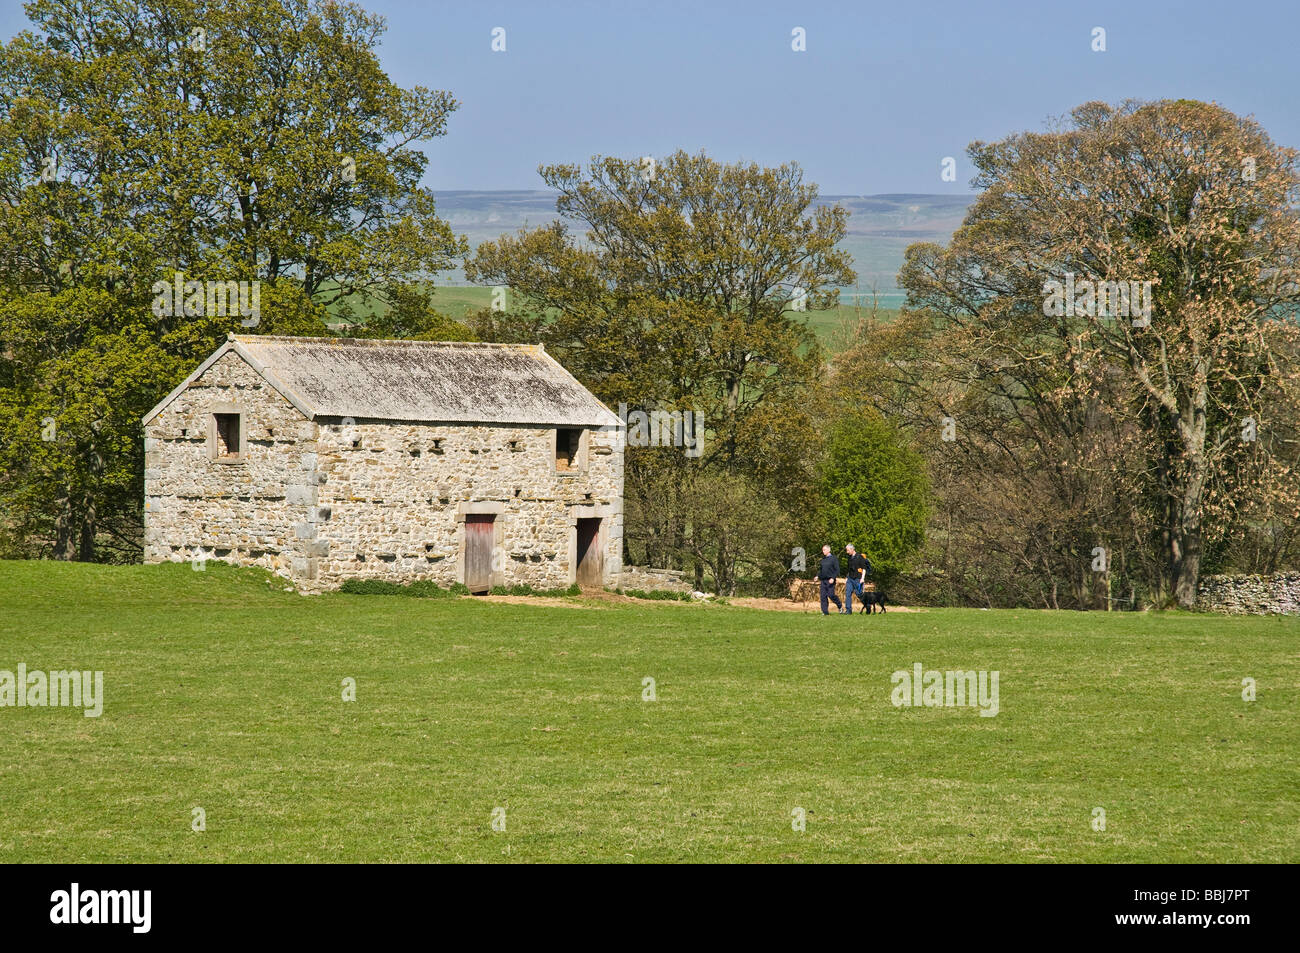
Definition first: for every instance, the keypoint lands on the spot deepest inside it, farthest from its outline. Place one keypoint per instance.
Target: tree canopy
(687, 291)
(161, 141)
(1147, 433)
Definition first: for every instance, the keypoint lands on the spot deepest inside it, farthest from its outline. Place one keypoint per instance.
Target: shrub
(526, 590)
(420, 589)
(660, 594)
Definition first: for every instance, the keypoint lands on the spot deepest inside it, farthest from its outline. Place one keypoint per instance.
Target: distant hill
(880, 226)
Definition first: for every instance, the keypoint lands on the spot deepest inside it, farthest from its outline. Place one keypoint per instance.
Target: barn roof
(443, 381)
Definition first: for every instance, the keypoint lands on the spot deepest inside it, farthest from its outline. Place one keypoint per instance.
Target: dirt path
(786, 605)
(600, 599)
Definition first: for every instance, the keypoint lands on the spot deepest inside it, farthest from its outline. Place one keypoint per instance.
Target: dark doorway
(591, 561)
(478, 552)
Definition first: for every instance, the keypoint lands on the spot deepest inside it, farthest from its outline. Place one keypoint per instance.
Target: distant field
(222, 692)
(456, 301)
(880, 227)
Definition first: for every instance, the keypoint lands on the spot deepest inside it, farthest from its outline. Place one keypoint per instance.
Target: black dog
(872, 599)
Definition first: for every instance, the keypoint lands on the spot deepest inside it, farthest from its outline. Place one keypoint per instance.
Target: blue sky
(881, 95)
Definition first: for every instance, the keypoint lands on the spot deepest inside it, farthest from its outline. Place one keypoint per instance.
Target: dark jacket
(829, 567)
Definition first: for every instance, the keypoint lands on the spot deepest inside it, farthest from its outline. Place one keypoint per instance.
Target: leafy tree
(222, 140)
(70, 483)
(1184, 195)
(248, 139)
(1022, 460)
(685, 292)
(873, 492)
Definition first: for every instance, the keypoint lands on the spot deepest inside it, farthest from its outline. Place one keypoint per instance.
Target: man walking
(828, 572)
(855, 573)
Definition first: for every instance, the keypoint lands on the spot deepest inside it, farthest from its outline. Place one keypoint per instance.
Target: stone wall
(397, 497)
(1252, 595)
(246, 512)
(654, 580)
(323, 501)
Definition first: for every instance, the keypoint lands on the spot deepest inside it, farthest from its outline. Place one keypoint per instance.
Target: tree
(69, 480)
(1022, 458)
(248, 139)
(873, 493)
(688, 293)
(1179, 205)
(737, 533)
(251, 141)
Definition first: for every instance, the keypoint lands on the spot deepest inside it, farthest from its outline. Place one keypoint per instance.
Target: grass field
(223, 692)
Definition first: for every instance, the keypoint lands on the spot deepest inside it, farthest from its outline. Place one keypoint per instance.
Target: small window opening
(514, 444)
(568, 442)
(227, 435)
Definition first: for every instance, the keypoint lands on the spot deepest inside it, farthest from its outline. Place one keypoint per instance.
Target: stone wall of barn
(320, 502)
(238, 512)
(247, 513)
(394, 499)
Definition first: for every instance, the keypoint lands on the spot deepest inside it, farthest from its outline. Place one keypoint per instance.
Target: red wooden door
(478, 552)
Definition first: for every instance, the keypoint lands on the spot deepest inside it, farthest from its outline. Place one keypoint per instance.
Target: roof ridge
(373, 342)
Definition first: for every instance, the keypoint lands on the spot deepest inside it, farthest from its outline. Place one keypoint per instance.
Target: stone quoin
(328, 459)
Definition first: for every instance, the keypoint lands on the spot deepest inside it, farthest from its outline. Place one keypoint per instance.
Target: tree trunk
(86, 549)
(63, 542)
(1187, 533)
(1186, 544)
(1082, 583)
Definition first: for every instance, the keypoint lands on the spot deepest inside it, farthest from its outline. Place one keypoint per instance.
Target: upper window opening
(568, 447)
(227, 436)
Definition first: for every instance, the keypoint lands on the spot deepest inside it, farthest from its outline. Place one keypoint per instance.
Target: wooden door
(591, 562)
(478, 551)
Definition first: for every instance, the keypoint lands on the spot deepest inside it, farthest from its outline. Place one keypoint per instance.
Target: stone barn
(328, 459)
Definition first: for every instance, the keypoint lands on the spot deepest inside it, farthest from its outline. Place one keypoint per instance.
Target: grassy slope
(224, 693)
